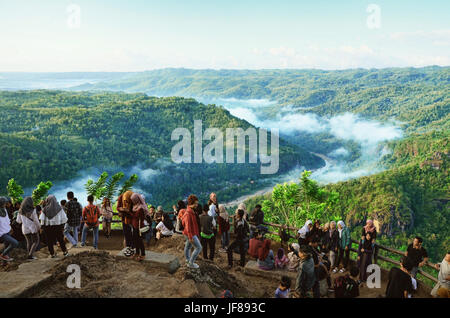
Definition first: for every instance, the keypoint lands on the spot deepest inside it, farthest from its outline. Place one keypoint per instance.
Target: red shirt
(137, 220)
(190, 224)
(253, 247)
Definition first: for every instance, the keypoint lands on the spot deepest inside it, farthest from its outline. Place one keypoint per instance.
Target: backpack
(91, 216)
(344, 287)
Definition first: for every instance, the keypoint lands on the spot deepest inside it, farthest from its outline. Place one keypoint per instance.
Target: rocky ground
(105, 275)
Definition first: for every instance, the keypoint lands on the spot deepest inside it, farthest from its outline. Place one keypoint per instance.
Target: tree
(128, 184)
(111, 186)
(15, 191)
(97, 189)
(40, 192)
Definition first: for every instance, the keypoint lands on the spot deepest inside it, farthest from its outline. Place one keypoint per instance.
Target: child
(281, 260)
(284, 288)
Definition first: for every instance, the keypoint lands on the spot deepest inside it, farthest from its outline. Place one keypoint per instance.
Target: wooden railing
(376, 252)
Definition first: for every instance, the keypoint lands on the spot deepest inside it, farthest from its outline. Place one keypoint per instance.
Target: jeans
(72, 239)
(225, 239)
(187, 249)
(84, 234)
(10, 243)
(333, 259)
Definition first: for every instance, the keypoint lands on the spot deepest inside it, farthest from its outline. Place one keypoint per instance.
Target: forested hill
(52, 135)
(418, 97)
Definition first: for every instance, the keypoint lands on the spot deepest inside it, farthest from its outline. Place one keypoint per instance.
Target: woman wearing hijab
(365, 252)
(304, 233)
(52, 220)
(345, 243)
(242, 207)
(369, 228)
(30, 225)
(332, 244)
(281, 260)
(224, 227)
(266, 259)
(124, 209)
(5, 228)
(139, 211)
(294, 259)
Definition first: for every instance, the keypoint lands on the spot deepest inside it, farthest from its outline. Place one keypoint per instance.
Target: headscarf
(139, 203)
(241, 206)
(126, 197)
(264, 250)
(52, 207)
(296, 247)
(305, 229)
(3, 211)
(223, 212)
(27, 207)
(369, 228)
(342, 224)
(280, 253)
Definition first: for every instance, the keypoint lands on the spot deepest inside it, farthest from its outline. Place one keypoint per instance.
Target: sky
(132, 35)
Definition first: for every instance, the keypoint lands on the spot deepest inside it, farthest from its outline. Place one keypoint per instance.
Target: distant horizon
(229, 69)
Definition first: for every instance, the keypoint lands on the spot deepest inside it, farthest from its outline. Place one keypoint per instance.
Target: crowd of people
(319, 251)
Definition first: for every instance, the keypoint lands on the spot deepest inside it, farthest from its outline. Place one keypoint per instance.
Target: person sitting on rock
(266, 259)
(294, 259)
(281, 260)
(254, 244)
(164, 228)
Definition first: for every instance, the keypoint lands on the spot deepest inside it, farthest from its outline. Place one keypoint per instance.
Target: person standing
(91, 215)
(191, 232)
(344, 246)
(241, 230)
(181, 205)
(107, 215)
(124, 209)
(306, 277)
(304, 233)
(74, 213)
(442, 287)
(333, 245)
(53, 218)
(417, 255)
(224, 227)
(365, 252)
(208, 238)
(5, 230)
(139, 210)
(30, 225)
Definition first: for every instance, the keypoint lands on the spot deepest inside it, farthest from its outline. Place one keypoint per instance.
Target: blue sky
(141, 35)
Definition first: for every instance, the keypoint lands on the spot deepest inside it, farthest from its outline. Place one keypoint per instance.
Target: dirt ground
(103, 275)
